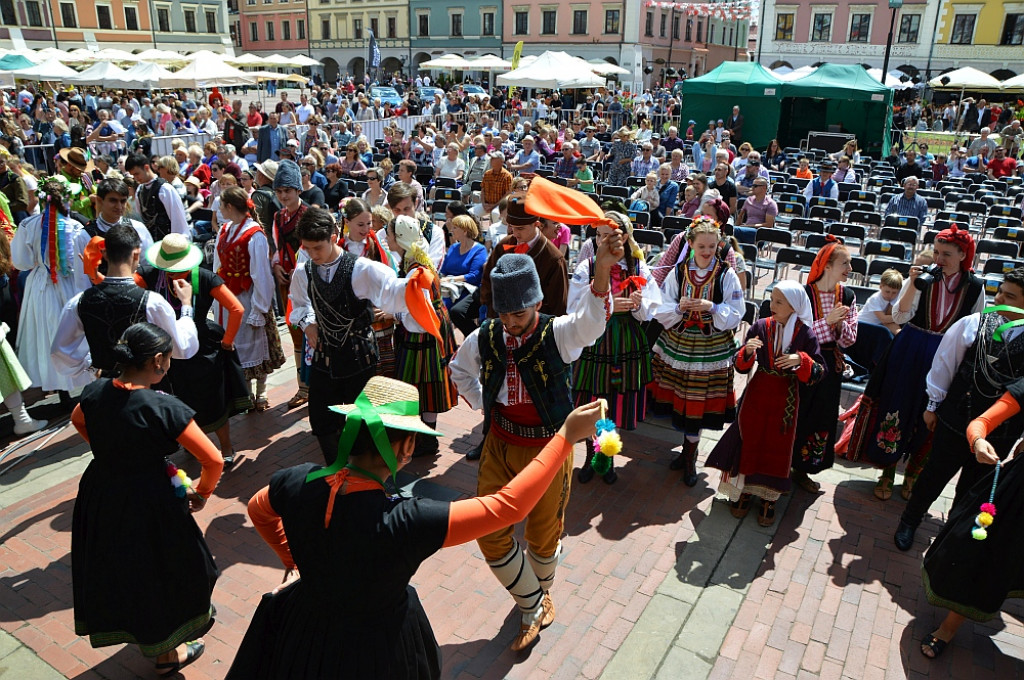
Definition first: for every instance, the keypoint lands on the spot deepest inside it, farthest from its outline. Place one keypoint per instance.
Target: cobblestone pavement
(657, 580)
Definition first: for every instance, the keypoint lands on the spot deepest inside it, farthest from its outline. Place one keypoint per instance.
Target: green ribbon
(176, 256)
(997, 335)
(370, 414)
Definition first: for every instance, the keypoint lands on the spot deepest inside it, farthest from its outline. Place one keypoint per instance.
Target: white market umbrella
(156, 56)
(208, 72)
(1014, 84)
(117, 56)
(606, 68)
(891, 80)
(204, 55)
(279, 61)
(303, 60)
(965, 78)
(99, 73)
(144, 75)
(53, 53)
(447, 62)
(263, 76)
(246, 60)
(490, 62)
(552, 70)
(49, 70)
(80, 56)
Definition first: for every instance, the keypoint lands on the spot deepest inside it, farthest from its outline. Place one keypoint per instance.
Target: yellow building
(339, 35)
(985, 34)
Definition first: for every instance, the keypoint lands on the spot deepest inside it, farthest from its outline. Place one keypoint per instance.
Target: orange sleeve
(269, 526)
(200, 446)
(1001, 411)
(472, 518)
(139, 281)
(234, 309)
(78, 420)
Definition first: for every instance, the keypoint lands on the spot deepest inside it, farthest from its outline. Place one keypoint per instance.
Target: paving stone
(683, 664)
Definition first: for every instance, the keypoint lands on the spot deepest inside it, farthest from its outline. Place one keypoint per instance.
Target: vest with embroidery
(967, 292)
(154, 214)
(347, 343)
(235, 261)
(819, 189)
(974, 389)
(545, 376)
(703, 320)
(106, 311)
(287, 235)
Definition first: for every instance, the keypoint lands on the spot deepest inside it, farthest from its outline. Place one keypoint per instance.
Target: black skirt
(212, 382)
(814, 449)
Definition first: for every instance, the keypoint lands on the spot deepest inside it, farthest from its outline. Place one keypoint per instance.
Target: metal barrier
(40, 157)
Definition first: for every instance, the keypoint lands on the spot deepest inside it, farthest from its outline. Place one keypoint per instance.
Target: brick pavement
(657, 580)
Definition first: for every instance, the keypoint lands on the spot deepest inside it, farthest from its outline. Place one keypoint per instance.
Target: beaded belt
(524, 431)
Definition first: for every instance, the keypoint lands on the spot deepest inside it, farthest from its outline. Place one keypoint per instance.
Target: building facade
(269, 26)
(928, 37)
(340, 35)
(471, 29)
(132, 25)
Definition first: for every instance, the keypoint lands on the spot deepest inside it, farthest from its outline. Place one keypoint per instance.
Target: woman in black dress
(142, 573)
(353, 613)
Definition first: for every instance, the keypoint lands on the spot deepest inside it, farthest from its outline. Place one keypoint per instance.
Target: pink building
(273, 26)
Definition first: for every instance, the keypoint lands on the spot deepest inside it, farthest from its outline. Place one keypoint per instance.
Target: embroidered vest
(546, 377)
(987, 369)
(347, 343)
(234, 260)
(819, 189)
(287, 236)
(967, 292)
(154, 214)
(106, 311)
(710, 290)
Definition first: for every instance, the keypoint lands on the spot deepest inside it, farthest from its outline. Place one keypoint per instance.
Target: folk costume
(242, 260)
(161, 208)
(814, 445)
(376, 250)
(970, 371)
(80, 203)
(153, 591)
(44, 246)
(13, 381)
(889, 424)
(340, 520)
(754, 454)
(99, 227)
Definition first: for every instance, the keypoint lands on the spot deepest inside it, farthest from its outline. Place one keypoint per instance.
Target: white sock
(16, 405)
(518, 577)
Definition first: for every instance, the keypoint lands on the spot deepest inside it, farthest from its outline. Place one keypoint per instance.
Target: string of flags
(738, 11)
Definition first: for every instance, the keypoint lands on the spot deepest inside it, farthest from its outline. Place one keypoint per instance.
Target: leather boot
(687, 462)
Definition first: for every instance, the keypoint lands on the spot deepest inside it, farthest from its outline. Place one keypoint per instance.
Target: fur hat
(515, 285)
(288, 176)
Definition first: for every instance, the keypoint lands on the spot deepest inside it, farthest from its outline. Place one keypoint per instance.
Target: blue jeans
(745, 234)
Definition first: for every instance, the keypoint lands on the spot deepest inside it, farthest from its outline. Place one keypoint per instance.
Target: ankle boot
(687, 462)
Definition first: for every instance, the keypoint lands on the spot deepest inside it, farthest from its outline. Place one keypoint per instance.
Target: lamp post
(152, 22)
(760, 32)
(894, 5)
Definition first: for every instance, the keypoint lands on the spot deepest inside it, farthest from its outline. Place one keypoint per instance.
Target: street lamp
(894, 5)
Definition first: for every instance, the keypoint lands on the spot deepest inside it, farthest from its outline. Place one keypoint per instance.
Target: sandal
(229, 460)
(262, 404)
(767, 516)
(298, 400)
(934, 645)
(193, 650)
(883, 489)
(739, 508)
(908, 487)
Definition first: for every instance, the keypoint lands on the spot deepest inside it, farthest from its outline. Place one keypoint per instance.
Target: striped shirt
(908, 207)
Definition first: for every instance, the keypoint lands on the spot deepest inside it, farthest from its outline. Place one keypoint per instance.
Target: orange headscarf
(823, 257)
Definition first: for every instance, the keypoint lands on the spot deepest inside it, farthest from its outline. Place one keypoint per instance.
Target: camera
(926, 278)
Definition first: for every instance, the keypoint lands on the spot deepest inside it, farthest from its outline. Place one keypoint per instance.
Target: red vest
(234, 260)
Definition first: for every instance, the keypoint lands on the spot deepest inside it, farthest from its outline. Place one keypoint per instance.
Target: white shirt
(573, 333)
(304, 111)
(70, 350)
(579, 286)
(725, 315)
(451, 169)
(904, 317)
(82, 238)
(263, 284)
(172, 204)
(954, 345)
(875, 303)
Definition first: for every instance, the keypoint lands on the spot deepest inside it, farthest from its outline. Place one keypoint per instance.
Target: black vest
(92, 227)
(971, 286)
(974, 390)
(546, 377)
(106, 311)
(154, 214)
(347, 343)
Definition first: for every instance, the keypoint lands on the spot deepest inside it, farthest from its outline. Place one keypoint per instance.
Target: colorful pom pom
(605, 425)
(983, 519)
(988, 508)
(979, 533)
(609, 443)
(601, 464)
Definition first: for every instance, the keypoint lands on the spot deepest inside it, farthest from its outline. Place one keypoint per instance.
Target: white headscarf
(797, 297)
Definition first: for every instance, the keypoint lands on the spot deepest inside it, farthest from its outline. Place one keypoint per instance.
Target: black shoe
(426, 445)
(229, 461)
(585, 474)
(475, 452)
(610, 477)
(679, 462)
(904, 536)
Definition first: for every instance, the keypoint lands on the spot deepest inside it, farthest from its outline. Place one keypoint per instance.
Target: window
(423, 25)
(488, 23)
(7, 12)
(649, 25)
(783, 27)
(860, 28)
(254, 32)
(675, 27)
(300, 29)
(325, 29)
(910, 27)
(67, 15)
(522, 23)
(270, 31)
(821, 30)
(711, 33)
(664, 25)
(35, 17)
(392, 27)
(190, 21)
(963, 29)
(375, 26)
(163, 20)
(579, 22)
(457, 25)
(211, 21)
(1013, 30)
(611, 21)
(286, 30)
(103, 19)
(357, 29)
(689, 30)
(700, 30)
(548, 18)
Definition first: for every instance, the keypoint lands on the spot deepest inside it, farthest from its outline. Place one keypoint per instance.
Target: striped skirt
(617, 368)
(693, 378)
(386, 346)
(419, 361)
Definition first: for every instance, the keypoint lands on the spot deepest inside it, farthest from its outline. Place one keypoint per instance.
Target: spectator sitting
(659, 151)
(645, 163)
(774, 158)
(909, 167)
(759, 210)
(845, 173)
(978, 163)
(939, 168)
(352, 165)
(668, 193)
(584, 177)
(803, 170)
(464, 262)
(823, 185)
(908, 204)
(527, 161)
(680, 170)
(691, 201)
(673, 141)
(311, 194)
(1002, 165)
(877, 309)
(648, 193)
(565, 166)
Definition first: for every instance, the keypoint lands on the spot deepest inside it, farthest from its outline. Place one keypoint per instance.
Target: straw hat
(75, 157)
(174, 254)
(380, 391)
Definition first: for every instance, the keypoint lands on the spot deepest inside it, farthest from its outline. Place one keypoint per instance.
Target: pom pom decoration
(987, 511)
(607, 443)
(180, 481)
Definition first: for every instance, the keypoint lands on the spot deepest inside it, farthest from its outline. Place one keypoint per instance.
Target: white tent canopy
(160, 57)
(606, 68)
(452, 62)
(208, 72)
(144, 74)
(302, 60)
(965, 78)
(1015, 84)
(49, 70)
(553, 70)
(892, 79)
(489, 62)
(99, 73)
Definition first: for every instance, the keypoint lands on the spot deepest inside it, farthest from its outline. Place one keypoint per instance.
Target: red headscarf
(962, 239)
(823, 257)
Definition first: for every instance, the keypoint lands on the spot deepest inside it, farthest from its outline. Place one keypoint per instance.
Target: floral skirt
(814, 444)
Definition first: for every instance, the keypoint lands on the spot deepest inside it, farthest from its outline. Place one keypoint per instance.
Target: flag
(517, 53)
(374, 57)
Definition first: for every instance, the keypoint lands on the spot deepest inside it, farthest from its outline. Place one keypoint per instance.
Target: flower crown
(66, 191)
(702, 224)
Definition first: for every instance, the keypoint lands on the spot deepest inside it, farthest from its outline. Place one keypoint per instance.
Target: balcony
(352, 43)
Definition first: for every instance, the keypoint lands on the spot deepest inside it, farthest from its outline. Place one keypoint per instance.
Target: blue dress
(470, 265)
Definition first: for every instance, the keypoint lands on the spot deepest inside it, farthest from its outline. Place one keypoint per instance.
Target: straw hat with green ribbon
(174, 254)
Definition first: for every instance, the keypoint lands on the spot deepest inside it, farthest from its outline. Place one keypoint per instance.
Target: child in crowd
(878, 308)
(804, 171)
(939, 168)
(584, 177)
(556, 232)
(925, 258)
(691, 202)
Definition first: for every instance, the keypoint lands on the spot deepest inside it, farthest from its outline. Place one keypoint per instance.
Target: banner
(373, 58)
(517, 54)
(737, 11)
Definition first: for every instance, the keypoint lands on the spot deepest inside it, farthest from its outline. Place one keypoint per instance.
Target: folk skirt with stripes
(693, 378)
(421, 362)
(385, 334)
(617, 368)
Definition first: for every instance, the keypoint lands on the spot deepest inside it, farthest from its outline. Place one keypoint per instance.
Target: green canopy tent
(837, 94)
(11, 62)
(736, 83)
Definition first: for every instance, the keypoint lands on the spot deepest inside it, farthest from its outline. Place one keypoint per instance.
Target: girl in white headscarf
(754, 455)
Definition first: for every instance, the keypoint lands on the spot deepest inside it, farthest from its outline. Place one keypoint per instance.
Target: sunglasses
(372, 179)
